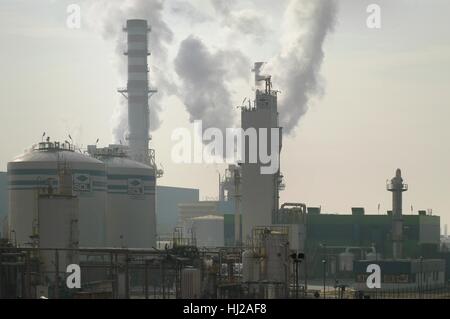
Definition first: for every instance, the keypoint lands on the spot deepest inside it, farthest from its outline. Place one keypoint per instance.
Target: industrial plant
(101, 208)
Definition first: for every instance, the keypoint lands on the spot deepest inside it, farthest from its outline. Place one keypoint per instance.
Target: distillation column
(260, 191)
(397, 188)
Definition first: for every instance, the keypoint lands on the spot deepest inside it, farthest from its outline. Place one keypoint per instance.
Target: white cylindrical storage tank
(58, 228)
(208, 231)
(346, 261)
(276, 256)
(36, 171)
(131, 216)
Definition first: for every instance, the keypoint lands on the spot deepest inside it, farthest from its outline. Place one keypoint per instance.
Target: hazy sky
(385, 102)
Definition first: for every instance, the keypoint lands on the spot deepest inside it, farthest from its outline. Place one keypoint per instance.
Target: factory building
(360, 229)
(330, 235)
(167, 201)
(208, 230)
(196, 217)
(260, 192)
(214, 212)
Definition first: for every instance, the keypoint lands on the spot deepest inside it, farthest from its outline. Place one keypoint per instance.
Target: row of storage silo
(115, 197)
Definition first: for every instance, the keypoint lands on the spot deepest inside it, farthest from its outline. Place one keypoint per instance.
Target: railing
(55, 146)
(391, 187)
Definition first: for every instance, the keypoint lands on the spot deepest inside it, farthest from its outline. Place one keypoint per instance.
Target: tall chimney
(397, 188)
(138, 91)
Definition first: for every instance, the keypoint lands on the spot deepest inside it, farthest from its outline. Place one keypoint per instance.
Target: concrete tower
(138, 226)
(397, 188)
(137, 91)
(259, 197)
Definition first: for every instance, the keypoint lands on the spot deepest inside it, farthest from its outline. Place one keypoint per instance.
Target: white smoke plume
(306, 24)
(109, 17)
(189, 12)
(205, 78)
(246, 22)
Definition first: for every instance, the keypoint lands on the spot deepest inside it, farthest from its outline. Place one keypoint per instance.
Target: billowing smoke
(109, 17)
(188, 11)
(205, 78)
(306, 23)
(247, 22)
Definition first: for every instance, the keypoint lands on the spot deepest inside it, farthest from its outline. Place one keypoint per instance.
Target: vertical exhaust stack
(260, 192)
(138, 91)
(397, 188)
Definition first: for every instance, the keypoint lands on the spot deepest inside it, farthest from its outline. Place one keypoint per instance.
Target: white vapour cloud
(205, 77)
(306, 24)
(189, 12)
(244, 21)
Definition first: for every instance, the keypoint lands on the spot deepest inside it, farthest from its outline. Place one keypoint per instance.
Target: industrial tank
(36, 172)
(130, 217)
(276, 248)
(60, 210)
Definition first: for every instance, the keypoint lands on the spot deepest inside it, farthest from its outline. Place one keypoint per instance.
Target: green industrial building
(330, 236)
(421, 232)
